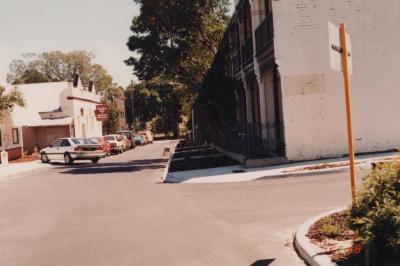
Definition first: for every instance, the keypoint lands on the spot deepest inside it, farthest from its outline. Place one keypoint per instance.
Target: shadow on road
(262, 262)
(80, 168)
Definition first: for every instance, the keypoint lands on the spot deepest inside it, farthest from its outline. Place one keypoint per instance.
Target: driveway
(118, 213)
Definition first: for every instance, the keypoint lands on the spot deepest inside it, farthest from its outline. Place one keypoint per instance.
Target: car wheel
(44, 158)
(68, 159)
(95, 160)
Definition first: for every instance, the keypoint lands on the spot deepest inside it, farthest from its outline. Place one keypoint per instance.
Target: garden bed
(27, 158)
(368, 233)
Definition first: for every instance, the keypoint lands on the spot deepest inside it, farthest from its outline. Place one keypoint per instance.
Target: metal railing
(248, 140)
(264, 33)
(248, 51)
(237, 61)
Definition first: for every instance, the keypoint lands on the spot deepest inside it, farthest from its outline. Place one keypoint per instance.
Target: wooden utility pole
(345, 61)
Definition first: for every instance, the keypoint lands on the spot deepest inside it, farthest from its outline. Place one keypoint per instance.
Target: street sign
(336, 50)
(102, 112)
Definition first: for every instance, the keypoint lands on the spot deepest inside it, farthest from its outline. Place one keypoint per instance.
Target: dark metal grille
(264, 33)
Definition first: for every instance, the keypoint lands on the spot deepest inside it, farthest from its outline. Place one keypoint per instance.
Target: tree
(155, 98)
(10, 99)
(58, 66)
(112, 124)
(110, 95)
(177, 39)
(147, 102)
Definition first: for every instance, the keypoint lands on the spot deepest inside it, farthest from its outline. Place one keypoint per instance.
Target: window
(1, 139)
(66, 143)
(82, 141)
(15, 136)
(82, 112)
(57, 143)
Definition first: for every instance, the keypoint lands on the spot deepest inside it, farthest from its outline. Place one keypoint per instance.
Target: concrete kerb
(20, 168)
(310, 253)
(166, 170)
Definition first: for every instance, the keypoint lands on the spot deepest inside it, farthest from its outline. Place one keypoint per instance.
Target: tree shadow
(265, 262)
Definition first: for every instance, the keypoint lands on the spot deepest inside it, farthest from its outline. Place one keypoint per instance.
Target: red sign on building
(102, 112)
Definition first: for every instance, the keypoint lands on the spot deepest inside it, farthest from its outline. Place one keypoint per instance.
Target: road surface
(118, 213)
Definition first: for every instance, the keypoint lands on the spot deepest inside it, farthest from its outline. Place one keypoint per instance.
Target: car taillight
(78, 148)
(113, 145)
(99, 148)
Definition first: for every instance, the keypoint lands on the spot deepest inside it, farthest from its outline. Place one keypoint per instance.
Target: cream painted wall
(313, 94)
(86, 125)
(6, 129)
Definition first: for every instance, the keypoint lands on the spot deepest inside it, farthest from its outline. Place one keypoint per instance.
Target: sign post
(341, 45)
(102, 112)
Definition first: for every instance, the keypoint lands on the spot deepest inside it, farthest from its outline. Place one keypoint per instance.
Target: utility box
(4, 158)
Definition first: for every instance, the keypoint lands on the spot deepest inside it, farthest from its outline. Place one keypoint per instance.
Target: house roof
(40, 97)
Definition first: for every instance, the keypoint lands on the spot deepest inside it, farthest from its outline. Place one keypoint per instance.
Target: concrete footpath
(19, 168)
(239, 174)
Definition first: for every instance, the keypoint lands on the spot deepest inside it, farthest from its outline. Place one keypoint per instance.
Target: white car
(71, 149)
(116, 142)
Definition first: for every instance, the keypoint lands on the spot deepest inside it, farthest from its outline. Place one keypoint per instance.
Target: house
(57, 109)
(290, 102)
(10, 137)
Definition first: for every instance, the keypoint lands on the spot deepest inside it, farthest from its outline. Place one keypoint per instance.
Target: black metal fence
(249, 141)
(264, 33)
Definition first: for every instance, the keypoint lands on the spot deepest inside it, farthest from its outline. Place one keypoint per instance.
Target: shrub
(376, 212)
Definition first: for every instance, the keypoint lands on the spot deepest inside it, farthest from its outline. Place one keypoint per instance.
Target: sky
(98, 26)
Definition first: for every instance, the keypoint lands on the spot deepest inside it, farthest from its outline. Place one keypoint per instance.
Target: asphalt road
(118, 213)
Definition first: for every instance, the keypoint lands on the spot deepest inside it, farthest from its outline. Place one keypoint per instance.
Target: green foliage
(112, 124)
(155, 98)
(330, 227)
(58, 66)
(376, 212)
(110, 95)
(10, 99)
(177, 39)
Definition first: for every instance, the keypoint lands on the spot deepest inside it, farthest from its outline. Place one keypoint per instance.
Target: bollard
(4, 158)
(167, 150)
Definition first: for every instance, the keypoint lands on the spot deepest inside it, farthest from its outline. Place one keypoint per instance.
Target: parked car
(140, 140)
(72, 149)
(104, 144)
(116, 143)
(129, 135)
(127, 143)
(148, 135)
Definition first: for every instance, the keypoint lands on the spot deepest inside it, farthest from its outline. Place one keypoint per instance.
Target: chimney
(91, 86)
(76, 80)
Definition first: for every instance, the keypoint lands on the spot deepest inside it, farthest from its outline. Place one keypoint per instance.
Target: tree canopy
(10, 99)
(58, 66)
(177, 40)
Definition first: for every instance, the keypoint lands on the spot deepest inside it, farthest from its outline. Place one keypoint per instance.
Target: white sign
(336, 49)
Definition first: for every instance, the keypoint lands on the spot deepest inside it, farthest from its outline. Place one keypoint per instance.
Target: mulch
(27, 158)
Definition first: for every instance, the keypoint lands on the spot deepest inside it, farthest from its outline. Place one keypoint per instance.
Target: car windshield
(110, 138)
(83, 141)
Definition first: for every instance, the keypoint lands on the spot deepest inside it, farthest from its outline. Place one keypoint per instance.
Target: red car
(104, 145)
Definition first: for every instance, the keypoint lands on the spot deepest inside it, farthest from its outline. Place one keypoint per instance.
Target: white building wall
(313, 94)
(6, 130)
(85, 125)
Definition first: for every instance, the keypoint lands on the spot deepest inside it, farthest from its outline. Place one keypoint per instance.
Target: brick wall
(313, 93)
(14, 154)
